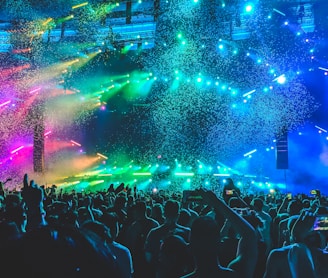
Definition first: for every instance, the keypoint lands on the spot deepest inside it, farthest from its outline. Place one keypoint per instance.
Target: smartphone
(229, 192)
(191, 196)
(313, 192)
(289, 196)
(321, 223)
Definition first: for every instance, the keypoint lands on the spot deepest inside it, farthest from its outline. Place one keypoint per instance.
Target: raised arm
(33, 196)
(283, 206)
(246, 256)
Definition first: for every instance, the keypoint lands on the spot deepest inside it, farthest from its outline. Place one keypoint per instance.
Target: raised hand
(33, 197)
(209, 197)
(303, 226)
(32, 194)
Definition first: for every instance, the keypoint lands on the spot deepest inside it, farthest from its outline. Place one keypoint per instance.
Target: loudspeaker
(128, 12)
(282, 151)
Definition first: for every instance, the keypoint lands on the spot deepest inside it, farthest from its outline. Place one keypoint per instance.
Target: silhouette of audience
(120, 232)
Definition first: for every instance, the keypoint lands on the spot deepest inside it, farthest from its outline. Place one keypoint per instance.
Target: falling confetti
(194, 93)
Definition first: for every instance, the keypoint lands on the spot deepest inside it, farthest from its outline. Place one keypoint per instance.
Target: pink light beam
(5, 103)
(16, 150)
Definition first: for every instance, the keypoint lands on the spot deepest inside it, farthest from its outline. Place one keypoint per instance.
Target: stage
(165, 100)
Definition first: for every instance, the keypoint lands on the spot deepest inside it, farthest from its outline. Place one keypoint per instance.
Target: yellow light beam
(79, 5)
(101, 155)
(47, 21)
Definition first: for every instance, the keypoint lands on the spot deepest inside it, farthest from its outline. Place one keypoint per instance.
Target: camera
(191, 196)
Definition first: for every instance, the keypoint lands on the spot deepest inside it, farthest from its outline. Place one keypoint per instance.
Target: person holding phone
(205, 236)
(305, 257)
(230, 190)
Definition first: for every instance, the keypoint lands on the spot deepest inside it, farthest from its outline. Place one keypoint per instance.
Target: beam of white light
(279, 12)
(16, 150)
(320, 128)
(249, 153)
(76, 143)
(249, 93)
(324, 69)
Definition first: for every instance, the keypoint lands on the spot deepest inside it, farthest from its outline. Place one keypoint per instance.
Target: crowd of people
(119, 232)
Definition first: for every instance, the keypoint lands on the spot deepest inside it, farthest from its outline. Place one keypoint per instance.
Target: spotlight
(281, 79)
(248, 8)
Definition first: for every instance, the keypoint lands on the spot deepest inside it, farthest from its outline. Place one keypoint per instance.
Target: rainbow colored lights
(99, 93)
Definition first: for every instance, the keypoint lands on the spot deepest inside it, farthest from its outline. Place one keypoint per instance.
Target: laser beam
(76, 143)
(279, 12)
(142, 174)
(184, 174)
(103, 156)
(5, 103)
(320, 128)
(249, 93)
(79, 5)
(16, 150)
(249, 153)
(321, 68)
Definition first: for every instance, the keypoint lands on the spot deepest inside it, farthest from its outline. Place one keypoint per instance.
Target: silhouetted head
(140, 208)
(184, 218)
(171, 209)
(99, 229)
(204, 236)
(257, 204)
(111, 220)
(294, 207)
(174, 256)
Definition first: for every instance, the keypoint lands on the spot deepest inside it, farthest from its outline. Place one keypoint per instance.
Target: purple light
(5, 103)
